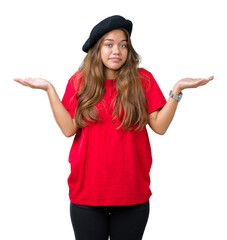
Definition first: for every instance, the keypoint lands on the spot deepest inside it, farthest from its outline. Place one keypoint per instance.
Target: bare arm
(62, 116)
(160, 120)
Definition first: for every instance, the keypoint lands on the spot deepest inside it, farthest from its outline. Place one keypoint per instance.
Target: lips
(115, 59)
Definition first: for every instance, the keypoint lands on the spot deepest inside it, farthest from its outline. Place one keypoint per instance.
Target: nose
(116, 49)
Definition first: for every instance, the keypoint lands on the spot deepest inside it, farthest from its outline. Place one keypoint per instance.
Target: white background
(176, 39)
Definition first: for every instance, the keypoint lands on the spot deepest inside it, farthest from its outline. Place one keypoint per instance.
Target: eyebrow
(113, 40)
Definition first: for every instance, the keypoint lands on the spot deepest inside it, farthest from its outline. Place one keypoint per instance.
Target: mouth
(115, 59)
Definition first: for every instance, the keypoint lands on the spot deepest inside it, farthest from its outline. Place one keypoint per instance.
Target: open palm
(37, 83)
(193, 82)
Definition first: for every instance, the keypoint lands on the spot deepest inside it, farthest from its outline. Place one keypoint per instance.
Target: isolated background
(176, 39)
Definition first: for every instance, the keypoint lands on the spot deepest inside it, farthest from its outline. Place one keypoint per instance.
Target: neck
(110, 74)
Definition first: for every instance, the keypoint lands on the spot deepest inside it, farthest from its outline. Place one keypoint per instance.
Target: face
(114, 52)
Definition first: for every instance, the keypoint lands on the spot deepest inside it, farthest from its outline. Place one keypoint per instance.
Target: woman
(106, 105)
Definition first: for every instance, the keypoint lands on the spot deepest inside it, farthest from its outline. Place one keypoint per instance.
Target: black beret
(105, 26)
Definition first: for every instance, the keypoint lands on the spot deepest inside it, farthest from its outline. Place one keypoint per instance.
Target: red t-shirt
(111, 167)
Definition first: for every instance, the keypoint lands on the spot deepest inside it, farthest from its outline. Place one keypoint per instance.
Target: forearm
(166, 114)
(161, 120)
(62, 116)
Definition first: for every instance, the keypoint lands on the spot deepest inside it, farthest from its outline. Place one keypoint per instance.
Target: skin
(160, 120)
(113, 54)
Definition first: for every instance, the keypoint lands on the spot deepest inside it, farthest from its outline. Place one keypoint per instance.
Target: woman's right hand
(37, 83)
(62, 116)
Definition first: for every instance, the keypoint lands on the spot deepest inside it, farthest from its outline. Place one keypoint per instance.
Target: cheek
(104, 54)
(125, 55)
(102, 57)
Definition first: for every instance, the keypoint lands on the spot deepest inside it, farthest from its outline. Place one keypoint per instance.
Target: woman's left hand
(190, 83)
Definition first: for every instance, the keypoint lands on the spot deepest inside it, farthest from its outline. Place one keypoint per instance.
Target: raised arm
(160, 120)
(62, 116)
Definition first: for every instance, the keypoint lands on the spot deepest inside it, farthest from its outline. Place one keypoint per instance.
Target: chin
(115, 68)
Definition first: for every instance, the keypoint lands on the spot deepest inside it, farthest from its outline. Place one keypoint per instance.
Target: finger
(29, 79)
(210, 78)
(17, 79)
(22, 81)
(205, 81)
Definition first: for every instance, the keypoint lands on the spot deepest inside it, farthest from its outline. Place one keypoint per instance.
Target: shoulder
(146, 76)
(76, 79)
(143, 71)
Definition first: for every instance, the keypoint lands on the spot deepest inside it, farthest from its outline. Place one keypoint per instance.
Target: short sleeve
(69, 99)
(154, 96)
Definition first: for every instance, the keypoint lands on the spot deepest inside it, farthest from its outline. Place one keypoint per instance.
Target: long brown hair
(130, 98)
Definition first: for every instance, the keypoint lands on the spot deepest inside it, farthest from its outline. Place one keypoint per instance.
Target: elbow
(66, 134)
(158, 128)
(160, 132)
(69, 134)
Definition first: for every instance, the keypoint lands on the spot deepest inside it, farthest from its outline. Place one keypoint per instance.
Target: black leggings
(126, 222)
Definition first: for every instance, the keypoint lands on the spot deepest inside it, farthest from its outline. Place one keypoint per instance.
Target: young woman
(106, 105)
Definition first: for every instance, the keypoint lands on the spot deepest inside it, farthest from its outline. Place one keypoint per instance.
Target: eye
(123, 45)
(108, 44)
